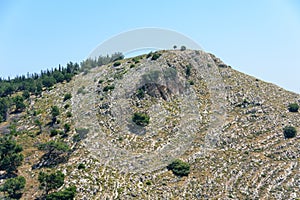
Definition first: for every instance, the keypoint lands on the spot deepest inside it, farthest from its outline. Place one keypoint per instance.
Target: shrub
(81, 166)
(54, 111)
(117, 64)
(136, 60)
(69, 114)
(67, 106)
(289, 132)
(140, 93)
(10, 156)
(141, 119)
(51, 181)
(76, 138)
(66, 194)
(132, 65)
(14, 187)
(188, 70)
(179, 168)
(81, 90)
(67, 128)
(182, 48)
(67, 96)
(54, 149)
(53, 132)
(19, 102)
(26, 94)
(108, 87)
(155, 56)
(293, 107)
(148, 182)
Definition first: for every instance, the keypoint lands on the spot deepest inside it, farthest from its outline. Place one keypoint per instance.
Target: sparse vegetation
(141, 119)
(289, 132)
(179, 168)
(67, 96)
(254, 117)
(293, 107)
(81, 90)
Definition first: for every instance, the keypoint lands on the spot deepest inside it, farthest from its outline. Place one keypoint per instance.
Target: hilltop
(119, 128)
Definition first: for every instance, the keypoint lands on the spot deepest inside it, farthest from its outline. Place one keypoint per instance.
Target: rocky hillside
(125, 122)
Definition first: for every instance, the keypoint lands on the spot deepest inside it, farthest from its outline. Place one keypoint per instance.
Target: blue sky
(259, 37)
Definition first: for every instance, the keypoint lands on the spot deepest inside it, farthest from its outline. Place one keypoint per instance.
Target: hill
(166, 125)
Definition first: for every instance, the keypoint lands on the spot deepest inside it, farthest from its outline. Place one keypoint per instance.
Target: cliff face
(227, 125)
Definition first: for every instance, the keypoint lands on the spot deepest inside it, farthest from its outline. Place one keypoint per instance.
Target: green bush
(148, 182)
(26, 94)
(69, 114)
(67, 128)
(66, 194)
(10, 154)
(289, 132)
(54, 112)
(293, 107)
(81, 166)
(117, 64)
(76, 138)
(67, 96)
(182, 48)
(13, 187)
(19, 102)
(149, 55)
(81, 90)
(54, 149)
(141, 119)
(140, 93)
(179, 168)
(188, 70)
(51, 181)
(53, 132)
(108, 87)
(155, 56)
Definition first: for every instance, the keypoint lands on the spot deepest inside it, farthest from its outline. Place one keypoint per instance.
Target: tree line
(34, 84)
